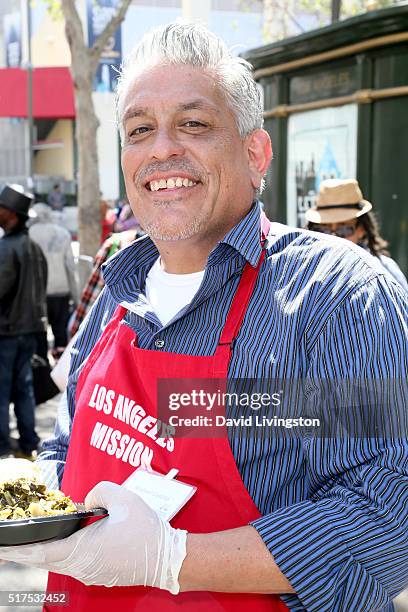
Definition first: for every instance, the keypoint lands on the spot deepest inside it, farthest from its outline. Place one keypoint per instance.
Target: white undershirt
(169, 293)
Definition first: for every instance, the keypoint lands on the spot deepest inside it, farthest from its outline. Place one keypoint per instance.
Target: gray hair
(193, 45)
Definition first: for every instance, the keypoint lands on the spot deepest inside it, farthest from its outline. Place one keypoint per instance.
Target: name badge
(161, 492)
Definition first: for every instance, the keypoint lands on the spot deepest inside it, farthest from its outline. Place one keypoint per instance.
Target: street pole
(335, 10)
(29, 151)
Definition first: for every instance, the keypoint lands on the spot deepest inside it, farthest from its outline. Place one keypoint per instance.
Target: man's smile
(171, 183)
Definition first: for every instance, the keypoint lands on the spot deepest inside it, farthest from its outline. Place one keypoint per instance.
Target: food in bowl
(24, 495)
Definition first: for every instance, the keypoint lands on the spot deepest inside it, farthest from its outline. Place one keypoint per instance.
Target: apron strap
(244, 291)
(118, 315)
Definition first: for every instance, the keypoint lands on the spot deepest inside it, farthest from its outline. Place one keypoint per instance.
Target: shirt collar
(245, 237)
(128, 268)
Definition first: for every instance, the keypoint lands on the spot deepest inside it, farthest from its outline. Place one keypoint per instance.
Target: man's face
(187, 171)
(8, 218)
(350, 230)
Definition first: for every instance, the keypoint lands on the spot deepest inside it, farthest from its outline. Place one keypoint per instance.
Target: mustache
(171, 165)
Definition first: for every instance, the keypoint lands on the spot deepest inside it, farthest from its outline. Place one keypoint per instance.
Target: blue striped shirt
(334, 511)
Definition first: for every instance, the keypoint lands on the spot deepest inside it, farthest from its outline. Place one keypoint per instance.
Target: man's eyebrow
(140, 111)
(197, 105)
(134, 111)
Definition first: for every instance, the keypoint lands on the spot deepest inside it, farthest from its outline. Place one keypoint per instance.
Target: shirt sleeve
(53, 457)
(9, 269)
(51, 460)
(345, 546)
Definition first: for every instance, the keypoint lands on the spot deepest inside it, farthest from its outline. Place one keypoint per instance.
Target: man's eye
(194, 124)
(137, 131)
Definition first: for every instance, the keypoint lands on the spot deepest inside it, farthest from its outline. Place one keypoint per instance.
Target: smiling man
(201, 173)
(306, 522)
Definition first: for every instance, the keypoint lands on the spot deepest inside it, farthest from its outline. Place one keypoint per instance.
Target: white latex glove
(133, 546)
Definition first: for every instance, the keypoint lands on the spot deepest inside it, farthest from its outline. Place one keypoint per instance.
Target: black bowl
(43, 528)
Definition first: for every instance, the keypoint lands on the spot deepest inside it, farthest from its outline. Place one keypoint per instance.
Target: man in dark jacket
(23, 280)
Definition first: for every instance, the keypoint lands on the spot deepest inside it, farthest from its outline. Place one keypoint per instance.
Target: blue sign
(100, 12)
(12, 39)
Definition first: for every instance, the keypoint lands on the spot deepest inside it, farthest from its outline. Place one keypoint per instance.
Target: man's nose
(166, 144)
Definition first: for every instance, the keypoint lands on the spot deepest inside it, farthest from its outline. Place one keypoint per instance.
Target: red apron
(221, 501)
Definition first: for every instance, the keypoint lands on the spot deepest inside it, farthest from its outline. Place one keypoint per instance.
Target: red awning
(53, 93)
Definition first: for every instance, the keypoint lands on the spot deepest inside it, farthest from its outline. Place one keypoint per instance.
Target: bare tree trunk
(89, 225)
(84, 62)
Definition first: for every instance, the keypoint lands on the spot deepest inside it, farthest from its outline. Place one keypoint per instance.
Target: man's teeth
(171, 183)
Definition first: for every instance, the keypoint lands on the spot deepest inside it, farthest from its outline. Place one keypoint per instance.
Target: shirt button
(159, 343)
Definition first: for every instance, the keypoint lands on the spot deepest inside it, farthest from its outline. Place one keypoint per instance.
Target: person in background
(342, 211)
(23, 281)
(120, 203)
(126, 220)
(95, 282)
(107, 217)
(62, 286)
(56, 199)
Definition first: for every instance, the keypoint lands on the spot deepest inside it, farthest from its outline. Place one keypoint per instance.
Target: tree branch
(73, 25)
(109, 30)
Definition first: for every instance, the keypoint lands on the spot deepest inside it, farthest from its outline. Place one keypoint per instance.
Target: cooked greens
(23, 498)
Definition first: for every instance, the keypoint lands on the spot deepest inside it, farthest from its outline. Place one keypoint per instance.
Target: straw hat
(338, 200)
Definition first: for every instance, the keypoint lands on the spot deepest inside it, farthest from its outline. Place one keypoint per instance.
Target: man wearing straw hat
(341, 210)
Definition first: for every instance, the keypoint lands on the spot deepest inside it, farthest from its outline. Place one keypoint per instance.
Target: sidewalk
(16, 577)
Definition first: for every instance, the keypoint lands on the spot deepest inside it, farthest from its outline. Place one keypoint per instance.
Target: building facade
(336, 104)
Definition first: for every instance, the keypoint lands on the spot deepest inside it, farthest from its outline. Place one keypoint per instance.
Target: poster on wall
(99, 14)
(322, 144)
(12, 39)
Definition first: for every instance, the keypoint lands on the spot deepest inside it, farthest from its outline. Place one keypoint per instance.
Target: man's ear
(260, 154)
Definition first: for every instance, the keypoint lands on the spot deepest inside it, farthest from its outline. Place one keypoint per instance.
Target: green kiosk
(336, 105)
